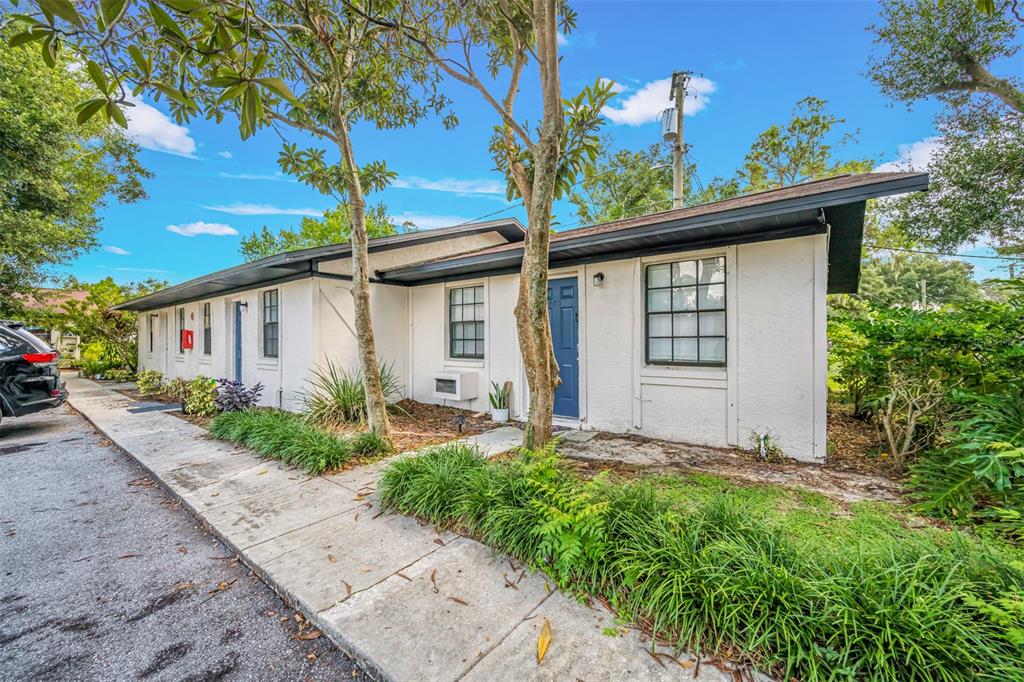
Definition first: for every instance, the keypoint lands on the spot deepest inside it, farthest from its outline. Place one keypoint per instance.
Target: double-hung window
(207, 330)
(685, 312)
(466, 323)
(181, 329)
(152, 331)
(270, 324)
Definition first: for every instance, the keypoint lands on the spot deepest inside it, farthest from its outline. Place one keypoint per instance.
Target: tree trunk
(532, 322)
(376, 404)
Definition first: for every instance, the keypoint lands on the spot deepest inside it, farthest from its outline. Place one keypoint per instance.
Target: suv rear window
(15, 338)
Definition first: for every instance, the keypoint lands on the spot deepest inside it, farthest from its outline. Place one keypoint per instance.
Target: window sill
(459, 362)
(681, 371)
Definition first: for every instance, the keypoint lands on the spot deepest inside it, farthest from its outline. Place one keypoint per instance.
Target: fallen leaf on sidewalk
(509, 583)
(333, 559)
(223, 586)
(403, 575)
(128, 556)
(544, 641)
(311, 656)
(308, 635)
(183, 549)
(348, 588)
(459, 601)
(439, 541)
(142, 481)
(183, 585)
(433, 580)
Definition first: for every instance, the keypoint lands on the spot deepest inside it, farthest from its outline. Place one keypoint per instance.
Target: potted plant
(499, 401)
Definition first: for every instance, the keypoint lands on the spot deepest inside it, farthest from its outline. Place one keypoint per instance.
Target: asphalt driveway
(104, 576)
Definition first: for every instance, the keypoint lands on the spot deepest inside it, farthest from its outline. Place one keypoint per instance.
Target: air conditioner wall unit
(456, 385)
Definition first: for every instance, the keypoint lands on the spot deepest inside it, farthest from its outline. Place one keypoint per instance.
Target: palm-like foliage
(336, 396)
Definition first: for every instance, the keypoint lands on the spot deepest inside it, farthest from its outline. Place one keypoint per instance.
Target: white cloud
(199, 227)
(912, 157)
(453, 185)
(224, 154)
(562, 40)
(427, 221)
(644, 105)
(275, 177)
(152, 129)
(116, 250)
(263, 209)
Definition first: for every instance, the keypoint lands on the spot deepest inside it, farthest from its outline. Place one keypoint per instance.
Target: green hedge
(286, 437)
(861, 598)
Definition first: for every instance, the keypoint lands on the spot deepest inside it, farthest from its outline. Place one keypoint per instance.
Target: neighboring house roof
(292, 265)
(835, 204)
(52, 299)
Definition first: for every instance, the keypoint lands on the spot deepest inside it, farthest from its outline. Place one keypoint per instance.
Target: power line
(940, 253)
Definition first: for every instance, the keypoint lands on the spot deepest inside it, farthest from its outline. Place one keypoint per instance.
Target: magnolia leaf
(49, 50)
(544, 641)
(140, 60)
(27, 37)
(87, 110)
(164, 21)
(115, 114)
(184, 6)
(98, 77)
(278, 87)
(173, 93)
(63, 9)
(111, 10)
(222, 81)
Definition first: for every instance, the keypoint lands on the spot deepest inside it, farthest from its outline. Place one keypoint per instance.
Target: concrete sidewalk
(407, 601)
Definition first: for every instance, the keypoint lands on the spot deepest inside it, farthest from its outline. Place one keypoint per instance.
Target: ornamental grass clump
(724, 571)
(336, 397)
(287, 437)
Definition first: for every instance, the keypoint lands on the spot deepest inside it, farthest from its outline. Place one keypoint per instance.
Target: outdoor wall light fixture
(599, 279)
(244, 306)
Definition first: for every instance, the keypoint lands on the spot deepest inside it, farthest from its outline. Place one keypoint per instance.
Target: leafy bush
(715, 573)
(338, 397)
(91, 368)
(233, 396)
(370, 443)
(200, 398)
(119, 374)
(289, 438)
(978, 474)
(177, 389)
(149, 381)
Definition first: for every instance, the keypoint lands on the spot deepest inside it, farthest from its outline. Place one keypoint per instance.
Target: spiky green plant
(713, 567)
(336, 396)
(289, 438)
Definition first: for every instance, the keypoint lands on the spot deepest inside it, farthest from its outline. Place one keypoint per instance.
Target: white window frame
(449, 341)
(263, 324)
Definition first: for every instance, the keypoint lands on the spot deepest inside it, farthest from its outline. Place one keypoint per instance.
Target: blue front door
(238, 341)
(563, 309)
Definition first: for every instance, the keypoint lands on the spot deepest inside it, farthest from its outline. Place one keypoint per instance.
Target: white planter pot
(500, 416)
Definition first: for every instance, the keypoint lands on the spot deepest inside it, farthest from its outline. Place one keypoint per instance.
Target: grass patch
(287, 437)
(785, 579)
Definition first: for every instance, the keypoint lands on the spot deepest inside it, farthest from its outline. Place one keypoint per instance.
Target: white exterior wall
(773, 382)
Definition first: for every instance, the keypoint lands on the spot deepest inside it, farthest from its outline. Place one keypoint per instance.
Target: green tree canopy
(947, 51)
(623, 183)
(334, 228)
(895, 280)
(94, 320)
(54, 175)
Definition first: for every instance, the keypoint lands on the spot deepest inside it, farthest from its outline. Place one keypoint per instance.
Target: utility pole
(679, 81)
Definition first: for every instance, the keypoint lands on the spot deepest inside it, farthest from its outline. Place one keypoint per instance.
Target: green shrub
(713, 572)
(337, 397)
(177, 389)
(120, 375)
(370, 443)
(978, 474)
(91, 368)
(289, 438)
(149, 381)
(200, 399)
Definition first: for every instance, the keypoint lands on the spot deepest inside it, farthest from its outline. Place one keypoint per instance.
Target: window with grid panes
(181, 328)
(685, 312)
(270, 325)
(207, 330)
(466, 322)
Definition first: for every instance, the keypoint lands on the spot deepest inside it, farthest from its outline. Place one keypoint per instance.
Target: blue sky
(757, 60)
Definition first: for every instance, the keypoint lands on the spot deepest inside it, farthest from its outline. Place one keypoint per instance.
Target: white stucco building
(703, 324)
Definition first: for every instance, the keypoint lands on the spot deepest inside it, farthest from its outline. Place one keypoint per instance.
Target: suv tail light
(40, 358)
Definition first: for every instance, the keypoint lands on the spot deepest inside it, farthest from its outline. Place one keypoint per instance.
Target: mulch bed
(423, 424)
(855, 445)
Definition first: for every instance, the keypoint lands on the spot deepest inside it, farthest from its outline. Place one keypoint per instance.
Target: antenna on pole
(672, 131)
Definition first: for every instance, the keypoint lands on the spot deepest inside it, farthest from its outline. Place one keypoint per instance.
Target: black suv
(29, 378)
